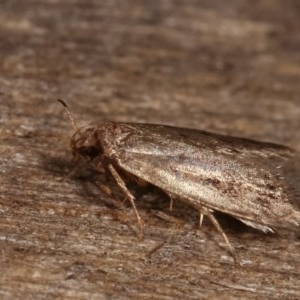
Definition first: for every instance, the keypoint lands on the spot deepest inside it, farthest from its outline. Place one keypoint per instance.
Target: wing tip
(261, 227)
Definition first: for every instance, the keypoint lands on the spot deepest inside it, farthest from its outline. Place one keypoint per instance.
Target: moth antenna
(69, 114)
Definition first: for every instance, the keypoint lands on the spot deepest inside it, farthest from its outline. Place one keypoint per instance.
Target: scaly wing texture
(240, 177)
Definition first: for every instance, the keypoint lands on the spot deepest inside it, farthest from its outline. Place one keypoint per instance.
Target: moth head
(84, 142)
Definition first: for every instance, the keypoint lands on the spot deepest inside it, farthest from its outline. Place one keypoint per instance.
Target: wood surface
(231, 67)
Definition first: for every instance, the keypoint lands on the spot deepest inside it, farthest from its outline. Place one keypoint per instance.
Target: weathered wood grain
(227, 67)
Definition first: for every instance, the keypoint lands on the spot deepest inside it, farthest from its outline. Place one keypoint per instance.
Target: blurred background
(231, 67)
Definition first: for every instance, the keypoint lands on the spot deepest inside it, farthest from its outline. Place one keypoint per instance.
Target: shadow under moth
(246, 179)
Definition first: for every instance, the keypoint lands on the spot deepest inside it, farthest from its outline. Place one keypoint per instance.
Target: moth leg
(201, 219)
(221, 231)
(128, 194)
(171, 203)
(74, 170)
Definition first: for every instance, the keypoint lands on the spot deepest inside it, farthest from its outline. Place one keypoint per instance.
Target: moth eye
(91, 152)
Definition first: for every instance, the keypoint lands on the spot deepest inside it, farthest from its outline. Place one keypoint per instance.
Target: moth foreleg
(74, 170)
(217, 225)
(128, 195)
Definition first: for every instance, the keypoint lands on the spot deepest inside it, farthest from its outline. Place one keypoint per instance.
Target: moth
(243, 178)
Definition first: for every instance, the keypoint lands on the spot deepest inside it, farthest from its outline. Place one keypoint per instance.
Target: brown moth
(240, 177)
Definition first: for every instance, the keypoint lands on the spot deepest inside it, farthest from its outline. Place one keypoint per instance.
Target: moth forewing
(245, 182)
(243, 178)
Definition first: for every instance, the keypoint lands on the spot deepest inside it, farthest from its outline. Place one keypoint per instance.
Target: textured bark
(228, 67)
